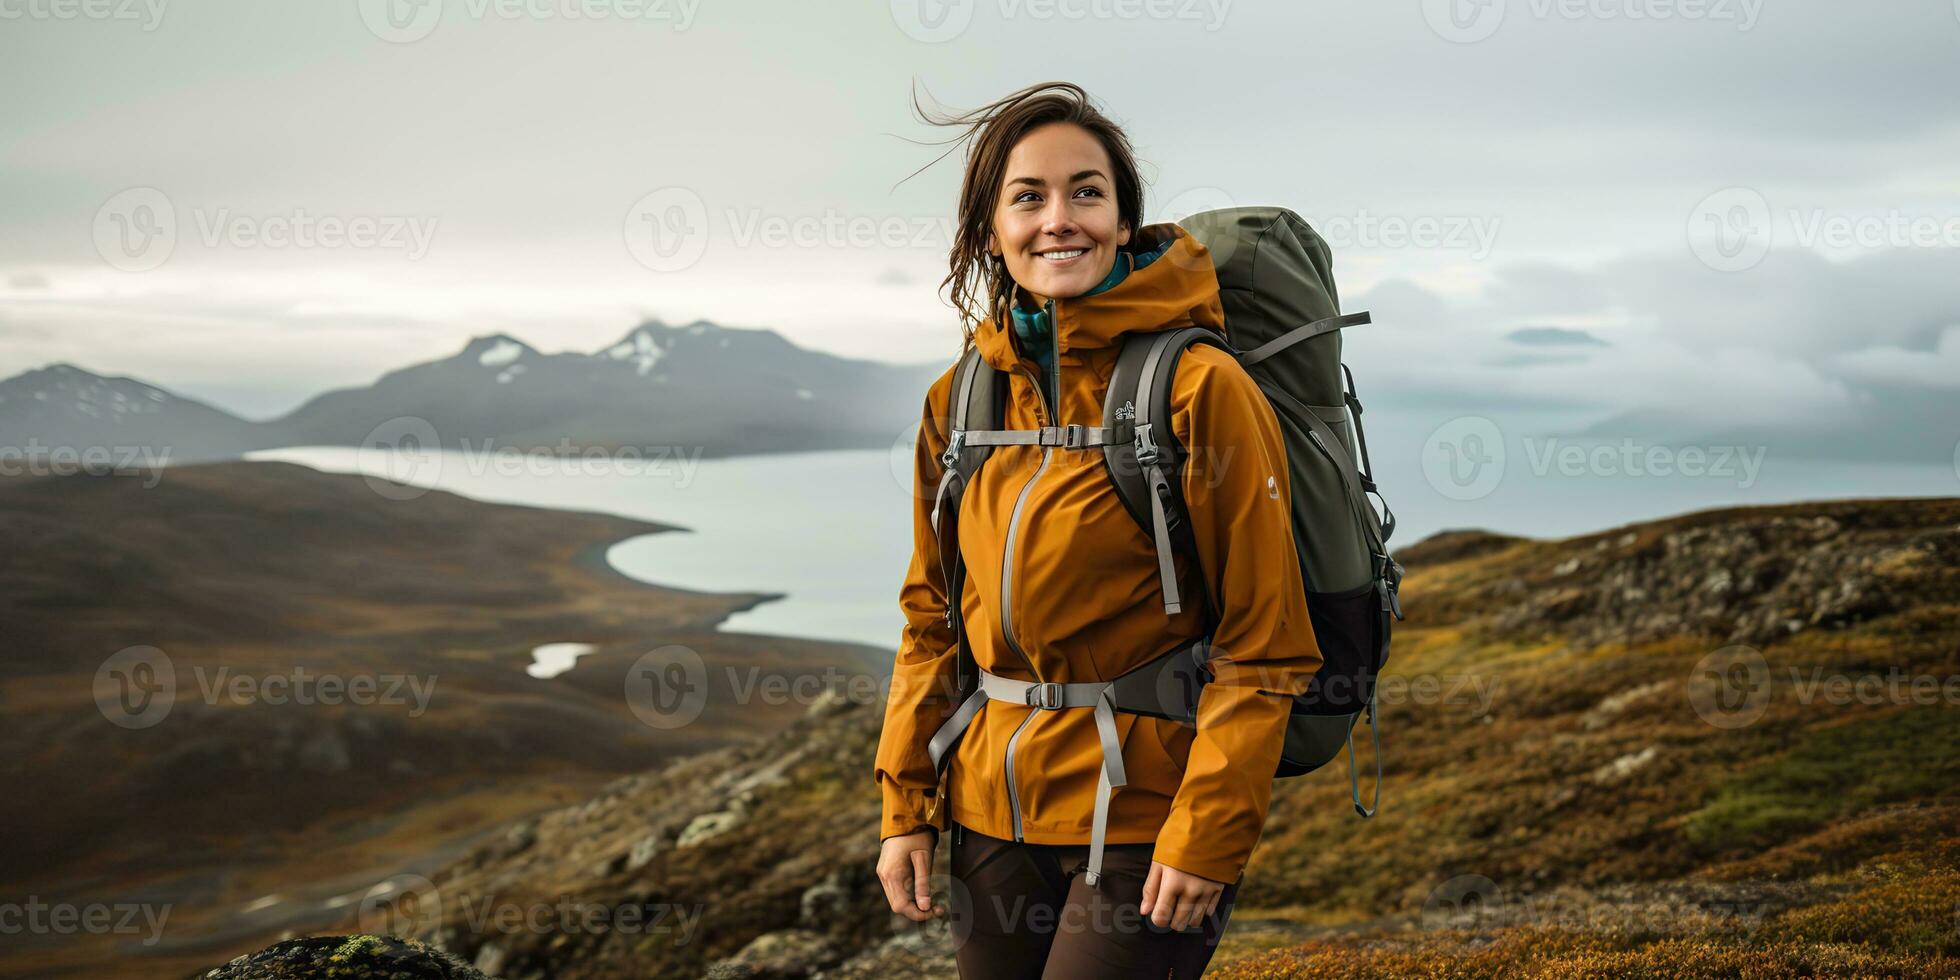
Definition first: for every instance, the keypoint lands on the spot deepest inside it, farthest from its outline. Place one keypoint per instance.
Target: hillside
(1570, 790)
(329, 686)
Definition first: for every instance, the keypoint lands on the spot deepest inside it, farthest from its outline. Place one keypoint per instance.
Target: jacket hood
(1171, 284)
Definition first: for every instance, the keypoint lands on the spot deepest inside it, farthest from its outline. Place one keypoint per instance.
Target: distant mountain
(703, 388)
(62, 409)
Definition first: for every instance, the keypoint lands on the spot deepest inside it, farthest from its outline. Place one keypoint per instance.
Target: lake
(832, 529)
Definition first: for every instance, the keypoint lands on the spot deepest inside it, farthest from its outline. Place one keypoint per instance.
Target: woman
(1061, 586)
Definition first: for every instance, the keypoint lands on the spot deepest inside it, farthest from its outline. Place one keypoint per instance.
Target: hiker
(1087, 839)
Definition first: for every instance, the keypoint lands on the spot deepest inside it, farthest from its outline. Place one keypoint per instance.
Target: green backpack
(1275, 279)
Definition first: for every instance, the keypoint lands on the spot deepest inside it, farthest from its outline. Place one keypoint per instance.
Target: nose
(1056, 219)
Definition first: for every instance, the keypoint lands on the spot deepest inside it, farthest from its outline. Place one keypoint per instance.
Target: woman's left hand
(1178, 899)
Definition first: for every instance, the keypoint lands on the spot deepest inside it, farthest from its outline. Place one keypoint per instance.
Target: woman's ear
(1125, 239)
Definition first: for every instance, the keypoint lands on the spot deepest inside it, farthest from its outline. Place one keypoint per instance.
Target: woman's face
(1056, 223)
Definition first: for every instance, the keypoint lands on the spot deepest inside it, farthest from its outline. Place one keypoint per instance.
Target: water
(832, 530)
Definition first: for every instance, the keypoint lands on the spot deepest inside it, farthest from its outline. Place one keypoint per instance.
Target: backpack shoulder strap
(1146, 467)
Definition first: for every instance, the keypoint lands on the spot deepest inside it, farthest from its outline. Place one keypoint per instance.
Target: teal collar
(1032, 326)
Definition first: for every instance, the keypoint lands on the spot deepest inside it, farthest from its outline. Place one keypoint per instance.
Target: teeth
(1067, 254)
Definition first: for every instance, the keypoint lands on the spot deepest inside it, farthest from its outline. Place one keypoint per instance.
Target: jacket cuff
(1191, 857)
(906, 808)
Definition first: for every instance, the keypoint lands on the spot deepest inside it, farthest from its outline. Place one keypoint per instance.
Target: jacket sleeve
(923, 673)
(1237, 492)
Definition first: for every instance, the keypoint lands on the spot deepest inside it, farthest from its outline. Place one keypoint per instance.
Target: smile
(1063, 255)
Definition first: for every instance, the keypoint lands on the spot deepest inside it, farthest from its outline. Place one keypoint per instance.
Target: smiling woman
(1131, 823)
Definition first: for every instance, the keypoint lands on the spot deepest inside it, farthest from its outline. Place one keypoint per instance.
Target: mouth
(1061, 256)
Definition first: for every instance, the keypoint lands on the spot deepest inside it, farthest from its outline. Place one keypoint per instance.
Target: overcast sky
(1675, 212)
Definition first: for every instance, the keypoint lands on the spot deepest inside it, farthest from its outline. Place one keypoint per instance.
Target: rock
(825, 902)
(1625, 765)
(643, 851)
(830, 702)
(359, 957)
(708, 826)
(785, 955)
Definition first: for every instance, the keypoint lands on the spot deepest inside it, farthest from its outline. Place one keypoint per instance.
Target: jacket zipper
(1007, 551)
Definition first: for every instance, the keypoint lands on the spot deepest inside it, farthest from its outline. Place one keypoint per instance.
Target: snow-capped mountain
(698, 388)
(70, 415)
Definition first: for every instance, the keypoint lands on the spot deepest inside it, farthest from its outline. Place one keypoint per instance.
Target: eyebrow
(1079, 175)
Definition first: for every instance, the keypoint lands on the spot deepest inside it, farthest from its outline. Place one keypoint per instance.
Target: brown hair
(994, 129)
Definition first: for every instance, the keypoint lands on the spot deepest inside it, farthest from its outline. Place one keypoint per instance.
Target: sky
(1672, 217)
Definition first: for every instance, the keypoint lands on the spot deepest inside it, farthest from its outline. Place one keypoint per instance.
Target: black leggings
(1025, 911)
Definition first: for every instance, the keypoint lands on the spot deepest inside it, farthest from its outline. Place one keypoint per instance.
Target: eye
(1091, 189)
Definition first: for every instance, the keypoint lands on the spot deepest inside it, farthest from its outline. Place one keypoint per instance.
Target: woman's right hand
(905, 868)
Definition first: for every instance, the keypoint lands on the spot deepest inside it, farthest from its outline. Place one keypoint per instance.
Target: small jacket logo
(1272, 487)
(1128, 410)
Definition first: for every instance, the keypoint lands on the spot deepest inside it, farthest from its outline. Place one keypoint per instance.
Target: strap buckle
(1074, 436)
(954, 446)
(1047, 696)
(1146, 447)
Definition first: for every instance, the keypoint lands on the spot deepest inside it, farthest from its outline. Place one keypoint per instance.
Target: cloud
(1553, 337)
(1937, 368)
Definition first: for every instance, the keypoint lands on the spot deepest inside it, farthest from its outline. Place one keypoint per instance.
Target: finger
(922, 880)
(1187, 912)
(1150, 889)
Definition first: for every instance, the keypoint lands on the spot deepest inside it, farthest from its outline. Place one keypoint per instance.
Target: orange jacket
(1085, 602)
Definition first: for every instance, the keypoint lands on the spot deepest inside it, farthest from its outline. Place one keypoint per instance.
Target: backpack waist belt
(1165, 687)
